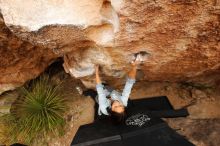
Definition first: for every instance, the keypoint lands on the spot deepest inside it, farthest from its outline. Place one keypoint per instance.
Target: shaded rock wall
(20, 60)
(181, 36)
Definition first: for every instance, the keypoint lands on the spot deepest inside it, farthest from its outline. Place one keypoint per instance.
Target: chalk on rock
(82, 72)
(140, 56)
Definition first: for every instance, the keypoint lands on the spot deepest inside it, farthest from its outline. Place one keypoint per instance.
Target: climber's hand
(136, 61)
(140, 57)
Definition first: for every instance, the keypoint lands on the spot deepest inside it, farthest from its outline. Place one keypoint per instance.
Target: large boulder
(181, 36)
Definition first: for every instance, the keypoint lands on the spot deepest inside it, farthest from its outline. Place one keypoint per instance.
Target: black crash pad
(143, 127)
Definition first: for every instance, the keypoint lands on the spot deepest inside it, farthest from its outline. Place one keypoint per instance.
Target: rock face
(19, 60)
(181, 36)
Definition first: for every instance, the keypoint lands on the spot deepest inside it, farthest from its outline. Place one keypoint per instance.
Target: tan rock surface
(20, 60)
(182, 38)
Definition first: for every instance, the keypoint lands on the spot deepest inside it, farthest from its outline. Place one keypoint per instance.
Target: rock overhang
(182, 37)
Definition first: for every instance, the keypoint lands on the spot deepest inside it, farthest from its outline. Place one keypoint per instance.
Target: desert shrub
(38, 112)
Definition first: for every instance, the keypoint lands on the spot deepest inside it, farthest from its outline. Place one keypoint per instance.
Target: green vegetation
(38, 112)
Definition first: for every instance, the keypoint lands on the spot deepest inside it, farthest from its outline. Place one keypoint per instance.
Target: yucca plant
(40, 110)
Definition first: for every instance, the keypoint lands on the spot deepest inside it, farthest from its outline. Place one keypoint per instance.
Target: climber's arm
(129, 84)
(98, 80)
(133, 71)
(102, 100)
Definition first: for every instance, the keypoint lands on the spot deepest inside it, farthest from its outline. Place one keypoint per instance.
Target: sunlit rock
(182, 38)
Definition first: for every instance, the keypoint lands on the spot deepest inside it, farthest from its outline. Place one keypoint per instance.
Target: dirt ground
(201, 127)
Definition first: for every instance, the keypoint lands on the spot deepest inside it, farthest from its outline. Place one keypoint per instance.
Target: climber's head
(117, 107)
(117, 112)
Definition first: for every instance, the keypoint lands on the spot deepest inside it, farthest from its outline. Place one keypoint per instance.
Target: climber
(110, 102)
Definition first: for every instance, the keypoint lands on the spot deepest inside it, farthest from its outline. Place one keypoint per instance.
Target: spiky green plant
(40, 110)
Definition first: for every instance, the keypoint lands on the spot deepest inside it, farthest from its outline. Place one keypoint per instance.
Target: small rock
(6, 100)
(199, 94)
